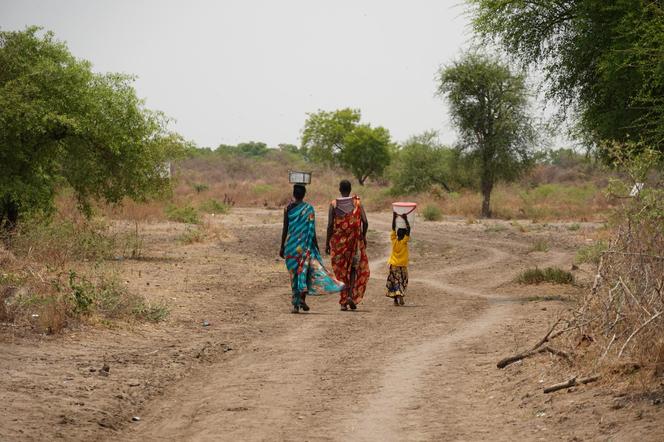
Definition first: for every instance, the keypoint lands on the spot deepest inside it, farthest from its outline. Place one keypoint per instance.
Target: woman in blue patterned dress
(299, 247)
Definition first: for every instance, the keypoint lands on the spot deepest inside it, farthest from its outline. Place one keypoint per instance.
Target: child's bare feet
(396, 301)
(401, 301)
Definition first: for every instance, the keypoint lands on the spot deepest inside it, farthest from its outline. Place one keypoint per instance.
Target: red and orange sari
(348, 252)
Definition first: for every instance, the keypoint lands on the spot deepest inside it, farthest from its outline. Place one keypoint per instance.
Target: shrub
(540, 245)
(199, 188)
(184, 214)
(590, 253)
(431, 213)
(550, 274)
(191, 236)
(574, 227)
(214, 206)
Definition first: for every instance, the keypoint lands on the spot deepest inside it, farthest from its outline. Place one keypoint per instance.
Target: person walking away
(299, 247)
(397, 279)
(346, 243)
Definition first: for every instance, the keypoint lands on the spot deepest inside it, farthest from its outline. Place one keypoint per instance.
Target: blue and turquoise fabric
(305, 265)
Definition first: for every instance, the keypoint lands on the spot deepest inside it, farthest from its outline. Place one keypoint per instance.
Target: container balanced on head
(397, 278)
(299, 248)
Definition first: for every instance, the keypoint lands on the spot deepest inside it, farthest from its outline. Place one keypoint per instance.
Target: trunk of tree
(487, 187)
(8, 214)
(361, 180)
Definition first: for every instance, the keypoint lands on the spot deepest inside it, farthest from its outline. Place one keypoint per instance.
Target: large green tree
(324, 133)
(489, 106)
(421, 162)
(61, 123)
(366, 152)
(603, 61)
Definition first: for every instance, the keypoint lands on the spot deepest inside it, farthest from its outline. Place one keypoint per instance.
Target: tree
(420, 163)
(366, 152)
(602, 60)
(324, 133)
(61, 123)
(489, 106)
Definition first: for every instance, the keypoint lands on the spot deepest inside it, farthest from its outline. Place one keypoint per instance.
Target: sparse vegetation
(191, 236)
(553, 275)
(432, 213)
(214, 206)
(541, 245)
(182, 214)
(591, 253)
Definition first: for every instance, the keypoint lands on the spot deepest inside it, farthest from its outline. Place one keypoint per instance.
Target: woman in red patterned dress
(346, 243)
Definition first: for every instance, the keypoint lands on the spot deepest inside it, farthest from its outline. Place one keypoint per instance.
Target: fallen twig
(570, 383)
(526, 354)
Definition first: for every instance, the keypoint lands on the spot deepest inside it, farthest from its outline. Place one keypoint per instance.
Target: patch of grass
(495, 228)
(432, 213)
(262, 188)
(590, 253)
(574, 227)
(191, 236)
(150, 312)
(541, 245)
(553, 275)
(199, 187)
(214, 206)
(184, 214)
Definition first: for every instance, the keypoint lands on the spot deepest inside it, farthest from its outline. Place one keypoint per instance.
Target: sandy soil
(231, 362)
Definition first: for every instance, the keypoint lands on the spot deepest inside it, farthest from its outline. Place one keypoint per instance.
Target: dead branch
(546, 337)
(571, 383)
(655, 316)
(526, 354)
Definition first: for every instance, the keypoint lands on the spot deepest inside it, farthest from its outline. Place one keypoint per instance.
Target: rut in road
(374, 374)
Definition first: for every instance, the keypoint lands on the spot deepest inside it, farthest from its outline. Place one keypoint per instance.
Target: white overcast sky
(241, 70)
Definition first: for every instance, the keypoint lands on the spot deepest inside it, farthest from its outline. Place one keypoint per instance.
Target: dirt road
(425, 371)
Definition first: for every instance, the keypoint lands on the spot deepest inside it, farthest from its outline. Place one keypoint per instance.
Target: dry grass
(219, 182)
(57, 274)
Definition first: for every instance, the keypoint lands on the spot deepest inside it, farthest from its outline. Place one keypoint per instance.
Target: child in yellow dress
(397, 279)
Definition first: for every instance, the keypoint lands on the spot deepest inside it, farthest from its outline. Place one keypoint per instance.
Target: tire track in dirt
(312, 383)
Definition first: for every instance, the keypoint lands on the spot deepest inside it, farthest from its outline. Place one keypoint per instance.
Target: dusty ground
(425, 371)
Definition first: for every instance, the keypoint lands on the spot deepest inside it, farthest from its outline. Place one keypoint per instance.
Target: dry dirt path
(381, 373)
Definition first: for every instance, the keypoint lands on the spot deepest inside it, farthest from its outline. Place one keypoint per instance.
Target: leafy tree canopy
(248, 149)
(366, 152)
(324, 133)
(62, 123)
(602, 60)
(489, 107)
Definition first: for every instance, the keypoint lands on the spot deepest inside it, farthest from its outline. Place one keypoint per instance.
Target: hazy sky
(240, 70)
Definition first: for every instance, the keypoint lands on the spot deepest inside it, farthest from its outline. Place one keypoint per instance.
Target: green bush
(214, 206)
(432, 213)
(550, 274)
(184, 214)
(590, 253)
(198, 187)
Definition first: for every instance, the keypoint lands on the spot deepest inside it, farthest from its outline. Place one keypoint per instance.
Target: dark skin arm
(365, 224)
(394, 221)
(405, 218)
(330, 228)
(284, 233)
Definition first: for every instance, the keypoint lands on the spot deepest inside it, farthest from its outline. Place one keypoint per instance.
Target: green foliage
(261, 188)
(62, 123)
(366, 152)
(420, 163)
(489, 106)
(182, 214)
(432, 213)
(553, 275)
(602, 60)
(108, 297)
(248, 149)
(591, 253)
(214, 206)
(324, 133)
(199, 187)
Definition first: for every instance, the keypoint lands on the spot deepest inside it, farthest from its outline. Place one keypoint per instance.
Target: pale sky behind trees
(242, 70)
